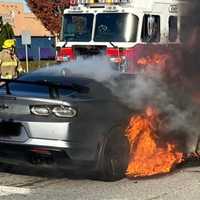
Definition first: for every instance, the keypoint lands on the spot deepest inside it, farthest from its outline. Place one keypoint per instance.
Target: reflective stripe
(20, 69)
(9, 63)
(7, 76)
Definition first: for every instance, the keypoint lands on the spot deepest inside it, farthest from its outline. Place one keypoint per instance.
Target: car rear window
(39, 90)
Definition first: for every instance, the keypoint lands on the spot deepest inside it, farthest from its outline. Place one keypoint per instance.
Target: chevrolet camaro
(66, 121)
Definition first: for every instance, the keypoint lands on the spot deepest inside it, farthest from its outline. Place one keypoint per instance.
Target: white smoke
(96, 67)
(143, 88)
(148, 87)
(151, 87)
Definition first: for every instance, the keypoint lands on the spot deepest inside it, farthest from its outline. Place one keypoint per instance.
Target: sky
(26, 9)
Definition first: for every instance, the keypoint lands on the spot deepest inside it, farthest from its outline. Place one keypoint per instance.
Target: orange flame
(148, 155)
(156, 58)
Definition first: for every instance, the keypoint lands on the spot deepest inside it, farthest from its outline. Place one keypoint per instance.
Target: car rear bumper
(19, 145)
(47, 157)
(37, 142)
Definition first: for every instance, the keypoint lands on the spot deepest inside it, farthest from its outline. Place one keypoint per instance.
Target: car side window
(185, 30)
(173, 28)
(151, 28)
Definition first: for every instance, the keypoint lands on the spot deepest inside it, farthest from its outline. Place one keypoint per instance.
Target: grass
(33, 65)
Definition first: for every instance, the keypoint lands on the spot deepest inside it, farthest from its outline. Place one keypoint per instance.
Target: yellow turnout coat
(10, 65)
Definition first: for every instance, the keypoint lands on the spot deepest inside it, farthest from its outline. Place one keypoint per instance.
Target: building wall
(41, 48)
(42, 42)
(13, 13)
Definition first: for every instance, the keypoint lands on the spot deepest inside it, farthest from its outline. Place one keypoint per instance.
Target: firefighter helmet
(9, 43)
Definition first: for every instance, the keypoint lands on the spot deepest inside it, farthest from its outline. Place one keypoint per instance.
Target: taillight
(64, 111)
(116, 55)
(113, 52)
(40, 110)
(118, 59)
(65, 54)
(125, 58)
(57, 110)
(63, 58)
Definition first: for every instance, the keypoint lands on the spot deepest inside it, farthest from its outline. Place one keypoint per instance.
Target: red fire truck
(125, 31)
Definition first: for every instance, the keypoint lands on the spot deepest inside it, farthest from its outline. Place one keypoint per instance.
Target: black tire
(114, 156)
(6, 167)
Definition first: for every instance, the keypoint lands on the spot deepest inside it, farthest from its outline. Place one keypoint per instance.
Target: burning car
(72, 122)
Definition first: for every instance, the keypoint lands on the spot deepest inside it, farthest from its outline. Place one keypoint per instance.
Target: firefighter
(10, 66)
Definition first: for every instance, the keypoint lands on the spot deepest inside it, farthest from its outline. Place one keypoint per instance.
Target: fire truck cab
(123, 30)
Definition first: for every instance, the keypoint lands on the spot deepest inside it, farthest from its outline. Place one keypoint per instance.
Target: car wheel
(114, 156)
(6, 167)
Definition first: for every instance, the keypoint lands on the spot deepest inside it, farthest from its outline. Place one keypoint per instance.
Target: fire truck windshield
(77, 27)
(116, 27)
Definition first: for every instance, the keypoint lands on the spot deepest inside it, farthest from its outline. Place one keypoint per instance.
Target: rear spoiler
(52, 87)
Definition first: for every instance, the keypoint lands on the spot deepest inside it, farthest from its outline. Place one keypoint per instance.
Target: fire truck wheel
(114, 157)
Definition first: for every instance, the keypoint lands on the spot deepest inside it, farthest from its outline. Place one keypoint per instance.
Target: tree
(49, 12)
(6, 32)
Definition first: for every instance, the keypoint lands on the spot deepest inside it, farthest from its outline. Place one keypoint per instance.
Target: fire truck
(125, 31)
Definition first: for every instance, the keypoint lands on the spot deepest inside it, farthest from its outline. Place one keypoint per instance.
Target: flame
(155, 59)
(149, 154)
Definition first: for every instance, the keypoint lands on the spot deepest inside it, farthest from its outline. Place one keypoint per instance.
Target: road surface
(21, 184)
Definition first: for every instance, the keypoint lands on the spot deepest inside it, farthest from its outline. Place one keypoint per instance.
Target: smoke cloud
(147, 87)
(190, 35)
(96, 67)
(173, 98)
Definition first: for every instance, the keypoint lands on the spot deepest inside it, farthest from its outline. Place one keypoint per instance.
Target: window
(116, 27)
(77, 27)
(185, 28)
(151, 28)
(173, 28)
(40, 90)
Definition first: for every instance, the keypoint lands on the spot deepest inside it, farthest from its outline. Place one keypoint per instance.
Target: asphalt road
(20, 184)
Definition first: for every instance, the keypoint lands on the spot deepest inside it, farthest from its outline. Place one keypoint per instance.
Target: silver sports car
(71, 122)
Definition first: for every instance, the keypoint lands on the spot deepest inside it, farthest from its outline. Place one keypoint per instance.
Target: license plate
(9, 129)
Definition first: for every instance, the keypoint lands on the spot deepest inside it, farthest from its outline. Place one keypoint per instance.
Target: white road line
(7, 190)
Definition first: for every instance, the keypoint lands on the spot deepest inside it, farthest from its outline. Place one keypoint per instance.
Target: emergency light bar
(83, 2)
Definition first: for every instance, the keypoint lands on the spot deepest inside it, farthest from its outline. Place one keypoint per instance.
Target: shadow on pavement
(41, 172)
